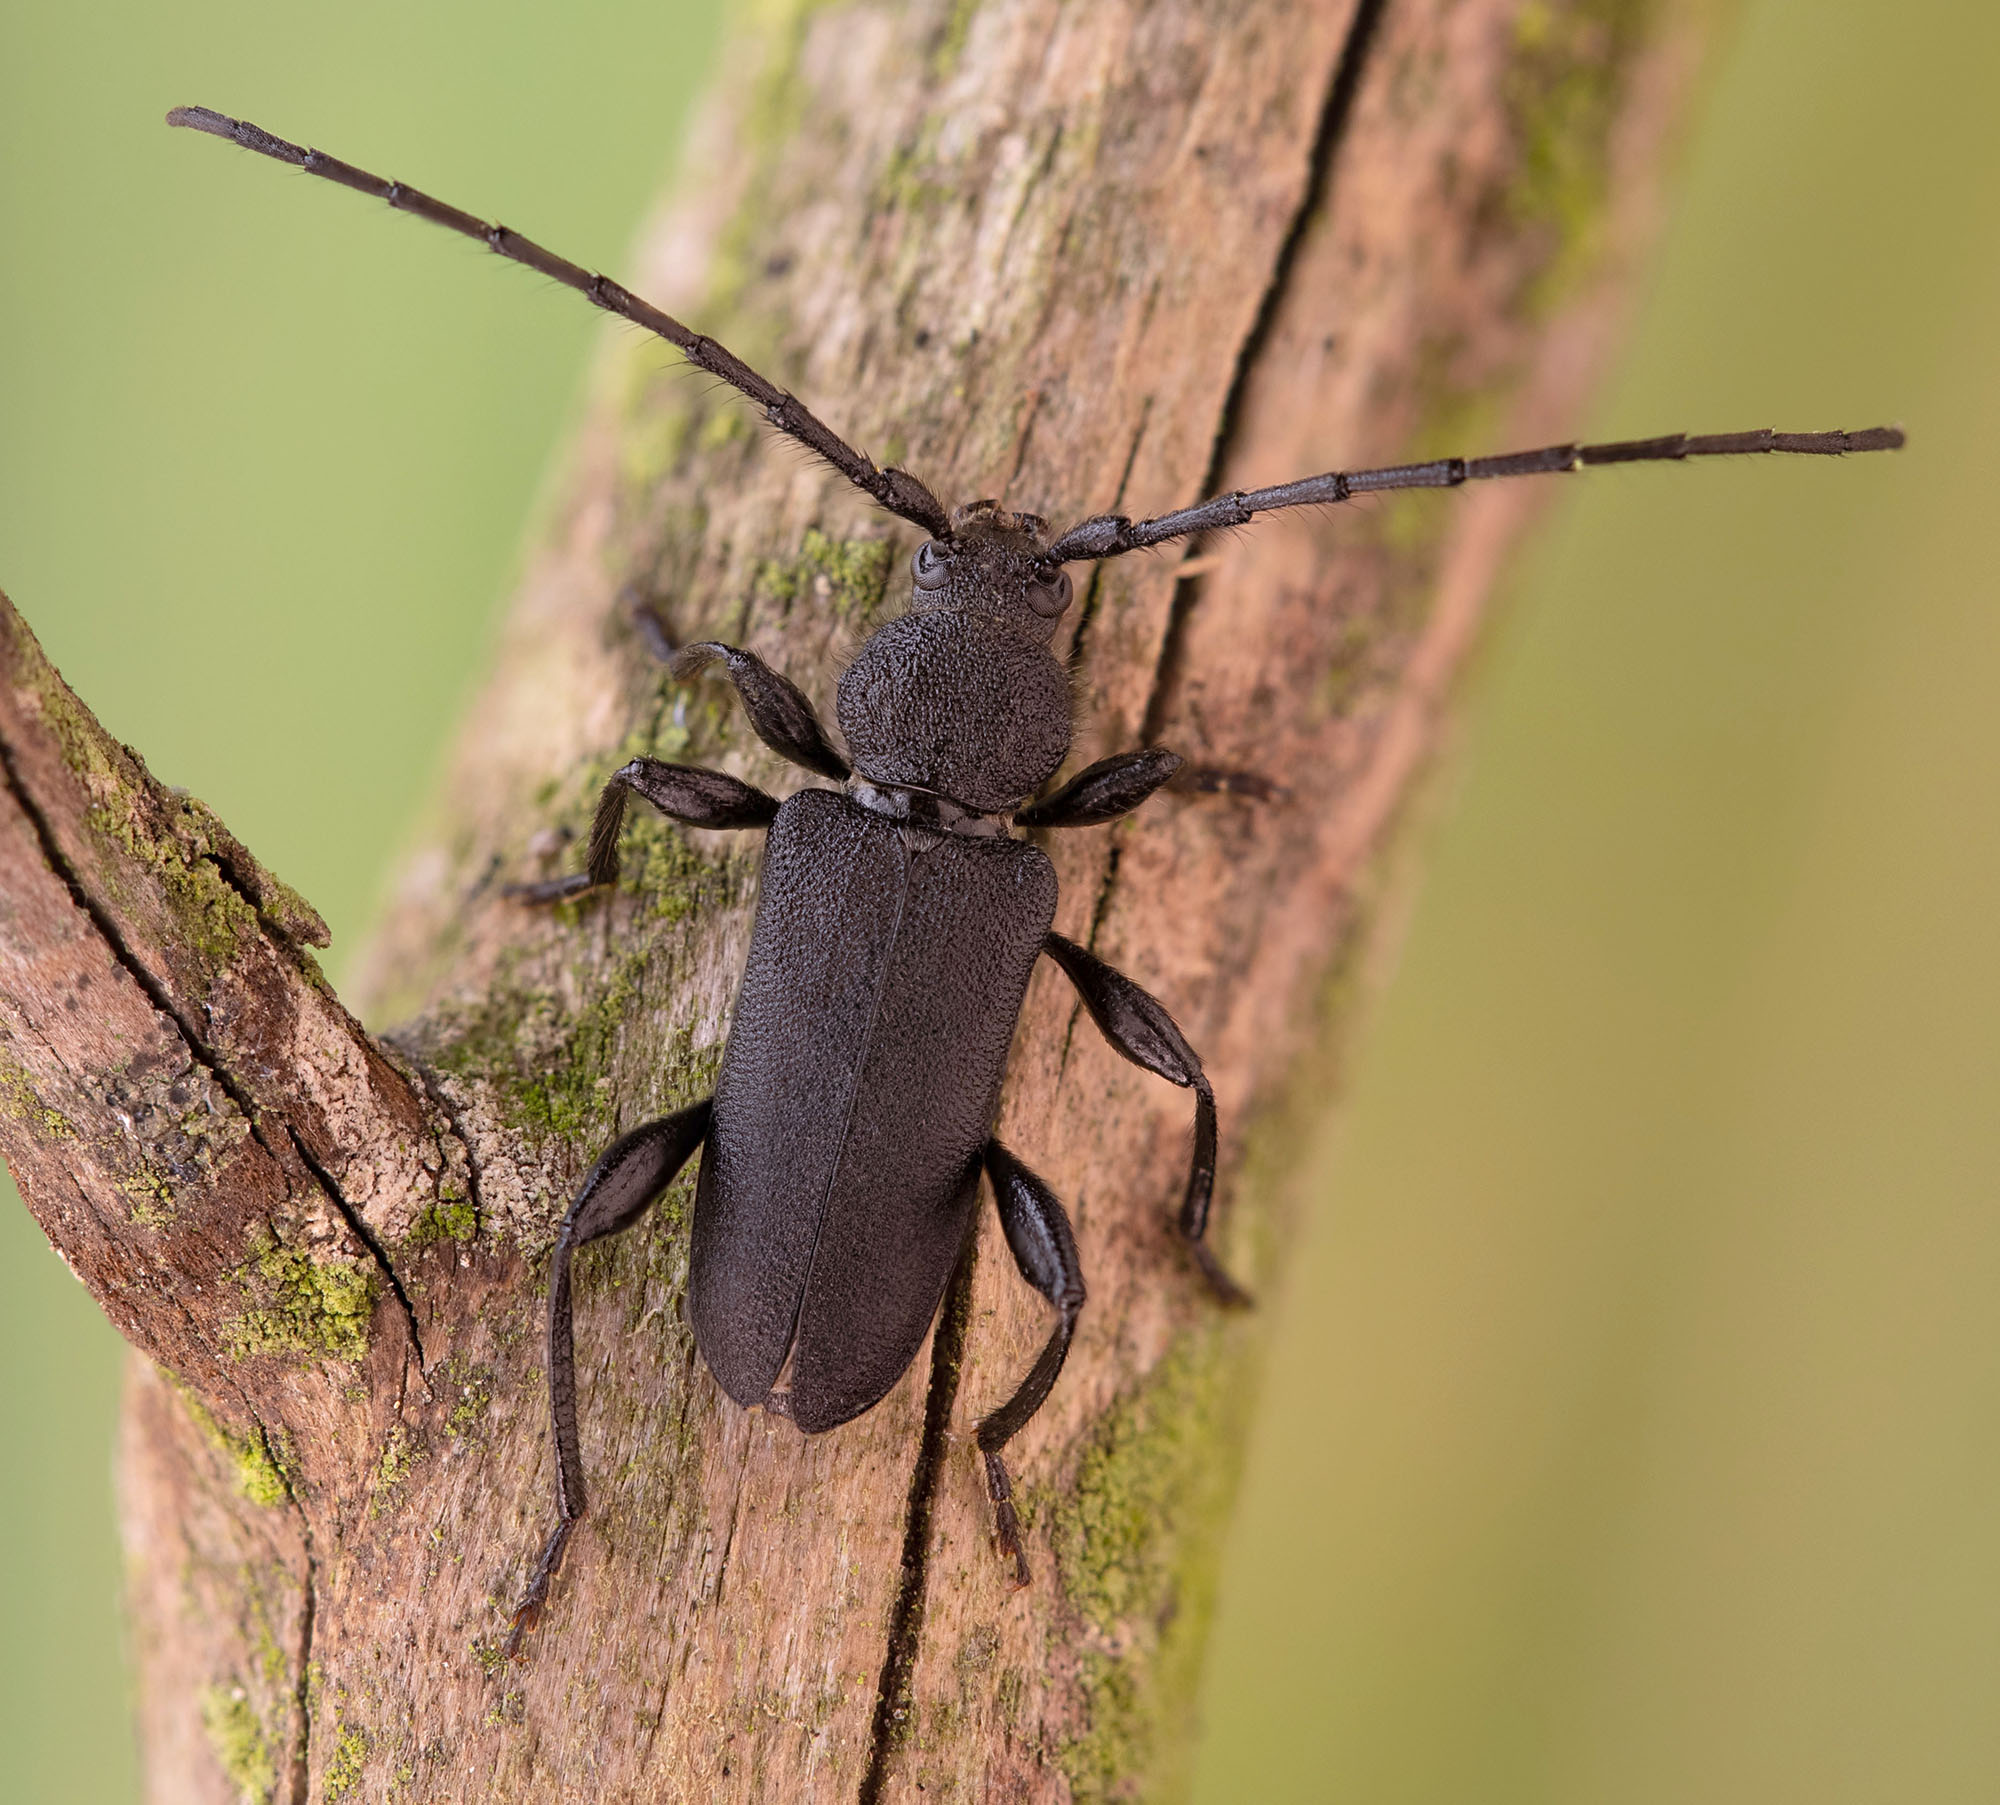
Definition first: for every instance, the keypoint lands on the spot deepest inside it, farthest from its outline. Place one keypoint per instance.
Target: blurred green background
(1632, 1425)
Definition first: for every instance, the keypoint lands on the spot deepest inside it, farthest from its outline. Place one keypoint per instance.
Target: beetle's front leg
(685, 792)
(1102, 792)
(1137, 1024)
(1116, 785)
(780, 713)
(1044, 1249)
(633, 1171)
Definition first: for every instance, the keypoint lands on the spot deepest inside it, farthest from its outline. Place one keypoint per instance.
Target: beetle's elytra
(898, 920)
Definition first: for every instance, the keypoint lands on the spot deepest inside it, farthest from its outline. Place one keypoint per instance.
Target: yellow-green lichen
(851, 576)
(344, 1766)
(20, 1103)
(238, 1741)
(551, 1073)
(449, 1217)
(400, 1453)
(475, 1394)
(303, 1305)
(255, 1464)
(952, 39)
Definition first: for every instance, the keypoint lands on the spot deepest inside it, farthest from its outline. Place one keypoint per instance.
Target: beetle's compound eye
(930, 565)
(1049, 596)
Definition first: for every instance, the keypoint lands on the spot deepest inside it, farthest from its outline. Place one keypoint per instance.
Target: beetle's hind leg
(633, 1171)
(684, 792)
(1137, 1024)
(1044, 1249)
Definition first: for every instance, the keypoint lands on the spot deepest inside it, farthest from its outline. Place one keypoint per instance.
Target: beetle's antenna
(1109, 535)
(897, 490)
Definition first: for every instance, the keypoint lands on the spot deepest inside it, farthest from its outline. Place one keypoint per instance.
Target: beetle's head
(997, 564)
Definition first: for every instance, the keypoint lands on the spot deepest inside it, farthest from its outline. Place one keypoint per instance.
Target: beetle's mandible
(898, 920)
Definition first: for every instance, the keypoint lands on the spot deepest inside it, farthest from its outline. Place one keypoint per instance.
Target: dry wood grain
(1075, 256)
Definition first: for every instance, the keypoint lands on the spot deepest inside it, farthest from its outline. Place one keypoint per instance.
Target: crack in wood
(157, 993)
(302, 1694)
(99, 917)
(358, 1223)
(1093, 591)
(440, 1098)
(906, 1617)
(1333, 119)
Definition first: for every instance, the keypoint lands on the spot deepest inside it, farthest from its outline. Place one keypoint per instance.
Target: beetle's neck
(925, 808)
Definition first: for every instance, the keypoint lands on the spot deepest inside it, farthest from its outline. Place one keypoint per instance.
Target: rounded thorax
(962, 697)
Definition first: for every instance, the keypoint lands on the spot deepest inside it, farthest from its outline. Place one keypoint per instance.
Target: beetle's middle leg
(687, 793)
(1044, 1248)
(633, 1171)
(1137, 1024)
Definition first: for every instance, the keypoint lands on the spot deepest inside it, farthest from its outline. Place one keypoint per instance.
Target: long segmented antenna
(897, 490)
(1111, 535)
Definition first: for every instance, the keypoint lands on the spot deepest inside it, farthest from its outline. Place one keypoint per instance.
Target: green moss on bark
(849, 576)
(255, 1464)
(241, 1748)
(1139, 1540)
(1564, 90)
(451, 1217)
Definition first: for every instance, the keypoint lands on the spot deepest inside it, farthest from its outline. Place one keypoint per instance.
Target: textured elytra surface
(1074, 257)
(865, 1055)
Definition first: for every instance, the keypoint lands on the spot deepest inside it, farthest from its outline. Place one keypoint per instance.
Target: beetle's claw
(528, 1612)
(1227, 1291)
(554, 890)
(1006, 1523)
(1222, 780)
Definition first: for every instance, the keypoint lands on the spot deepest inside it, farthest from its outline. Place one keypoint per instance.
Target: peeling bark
(1074, 256)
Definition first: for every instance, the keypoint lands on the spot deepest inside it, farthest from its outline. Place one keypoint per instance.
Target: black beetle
(898, 921)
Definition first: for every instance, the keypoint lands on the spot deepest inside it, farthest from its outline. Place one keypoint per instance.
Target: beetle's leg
(1138, 1025)
(1101, 792)
(1116, 785)
(686, 792)
(779, 711)
(631, 1174)
(1226, 780)
(1045, 1250)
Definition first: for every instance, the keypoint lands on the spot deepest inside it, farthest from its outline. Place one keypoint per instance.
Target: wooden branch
(1077, 257)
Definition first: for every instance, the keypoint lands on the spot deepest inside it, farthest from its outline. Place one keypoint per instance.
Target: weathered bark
(1076, 256)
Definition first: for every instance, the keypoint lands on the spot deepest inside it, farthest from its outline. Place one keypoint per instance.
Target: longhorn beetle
(898, 919)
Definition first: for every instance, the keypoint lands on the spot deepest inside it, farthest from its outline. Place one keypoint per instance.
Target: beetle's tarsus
(686, 793)
(528, 1613)
(550, 890)
(1006, 1524)
(1225, 1289)
(1223, 780)
(652, 626)
(1138, 1026)
(1044, 1249)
